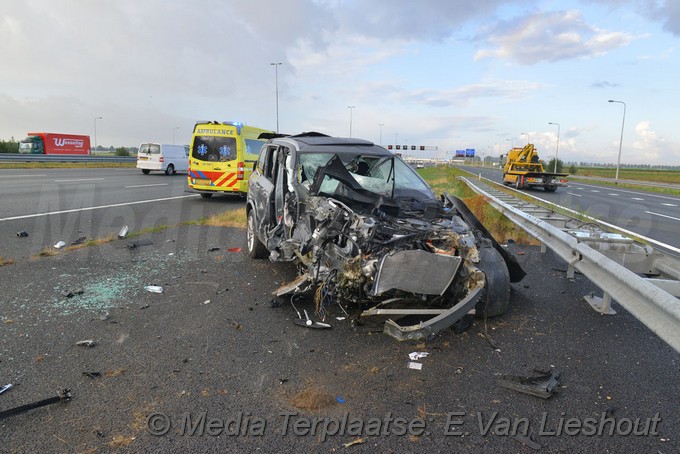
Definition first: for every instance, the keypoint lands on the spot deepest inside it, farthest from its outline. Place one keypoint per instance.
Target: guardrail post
(602, 305)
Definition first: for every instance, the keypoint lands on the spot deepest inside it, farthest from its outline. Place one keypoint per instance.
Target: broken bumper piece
(443, 318)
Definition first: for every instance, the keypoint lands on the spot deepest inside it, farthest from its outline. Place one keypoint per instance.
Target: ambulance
(222, 155)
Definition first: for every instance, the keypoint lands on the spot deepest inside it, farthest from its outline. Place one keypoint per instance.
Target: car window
(150, 148)
(212, 148)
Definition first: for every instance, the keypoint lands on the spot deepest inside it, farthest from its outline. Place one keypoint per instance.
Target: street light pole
(350, 120)
(623, 122)
(95, 132)
(528, 137)
(276, 71)
(381, 125)
(173, 134)
(558, 143)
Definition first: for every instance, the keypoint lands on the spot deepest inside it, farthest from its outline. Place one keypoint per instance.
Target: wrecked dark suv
(368, 233)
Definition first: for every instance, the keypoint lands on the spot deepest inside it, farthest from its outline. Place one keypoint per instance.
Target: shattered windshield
(383, 175)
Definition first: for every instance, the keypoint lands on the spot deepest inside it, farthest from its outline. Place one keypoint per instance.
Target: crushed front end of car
(385, 249)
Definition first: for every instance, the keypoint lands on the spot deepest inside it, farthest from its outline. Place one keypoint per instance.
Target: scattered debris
(307, 322)
(527, 441)
(104, 316)
(339, 399)
(415, 365)
(282, 381)
(417, 355)
(80, 240)
(234, 249)
(340, 318)
(358, 441)
(206, 302)
(542, 386)
(123, 232)
(144, 306)
(138, 243)
(72, 293)
(7, 387)
(86, 343)
(63, 395)
(59, 245)
(92, 375)
(275, 302)
(213, 249)
(153, 288)
(22, 234)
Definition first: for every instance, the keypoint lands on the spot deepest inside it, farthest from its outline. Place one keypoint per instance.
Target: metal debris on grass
(86, 343)
(542, 386)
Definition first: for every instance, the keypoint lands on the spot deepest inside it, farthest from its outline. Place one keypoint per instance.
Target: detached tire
(256, 249)
(495, 299)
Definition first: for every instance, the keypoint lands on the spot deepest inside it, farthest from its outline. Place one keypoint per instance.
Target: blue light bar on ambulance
(236, 124)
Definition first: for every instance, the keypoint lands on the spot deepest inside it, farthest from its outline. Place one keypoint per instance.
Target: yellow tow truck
(523, 169)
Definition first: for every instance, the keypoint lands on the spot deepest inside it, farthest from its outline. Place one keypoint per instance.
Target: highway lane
(65, 204)
(656, 216)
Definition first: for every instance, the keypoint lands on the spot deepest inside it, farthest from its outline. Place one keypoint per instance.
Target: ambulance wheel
(170, 170)
(256, 249)
(206, 195)
(146, 171)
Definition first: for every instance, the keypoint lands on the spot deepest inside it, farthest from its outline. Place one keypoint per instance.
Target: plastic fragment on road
(22, 234)
(340, 399)
(417, 355)
(138, 243)
(7, 387)
(234, 249)
(59, 245)
(542, 386)
(63, 395)
(123, 232)
(153, 288)
(415, 365)
(206, 302)
(86, 343)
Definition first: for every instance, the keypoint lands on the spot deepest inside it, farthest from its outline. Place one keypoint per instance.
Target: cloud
(550, 37)
(668, 13)
(604, 84)
(650, 148)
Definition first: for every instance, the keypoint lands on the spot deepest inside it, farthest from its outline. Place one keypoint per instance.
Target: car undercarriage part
(63, 395)
(307, 322)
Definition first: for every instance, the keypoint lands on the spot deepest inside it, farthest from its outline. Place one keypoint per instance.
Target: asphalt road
(54, 205)
(649, 214)
(211, 346)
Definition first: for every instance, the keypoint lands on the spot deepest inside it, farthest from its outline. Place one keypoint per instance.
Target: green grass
(661, 176)
(444, 179)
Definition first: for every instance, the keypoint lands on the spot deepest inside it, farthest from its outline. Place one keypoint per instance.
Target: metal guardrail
(651, 301)
(19, 157)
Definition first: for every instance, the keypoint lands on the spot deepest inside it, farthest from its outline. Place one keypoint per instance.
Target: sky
(450, 74)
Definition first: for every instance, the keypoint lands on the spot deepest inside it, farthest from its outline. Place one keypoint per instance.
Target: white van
(167, 158)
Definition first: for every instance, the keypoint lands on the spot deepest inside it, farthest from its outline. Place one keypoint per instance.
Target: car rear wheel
(550, 188)
(146, 171)
(170, 170)
(256, 249)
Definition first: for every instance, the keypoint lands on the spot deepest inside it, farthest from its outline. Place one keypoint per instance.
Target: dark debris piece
(542, 386)
(72, 293)
(63, 395)
(80, 240)
(92, 375)
(138, 243)
(213, 249)
(22, 234)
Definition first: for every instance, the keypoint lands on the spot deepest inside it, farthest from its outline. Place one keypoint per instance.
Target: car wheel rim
(249, 232)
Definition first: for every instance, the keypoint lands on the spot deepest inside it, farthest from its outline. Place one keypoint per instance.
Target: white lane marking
(663, 215)
(76, 210)
(81, 179)
(593, 190)
(646, 194)
(146, 185)
(21, 176)
(614, 194)
(669, 204)
(636, 198)
(575, 195)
